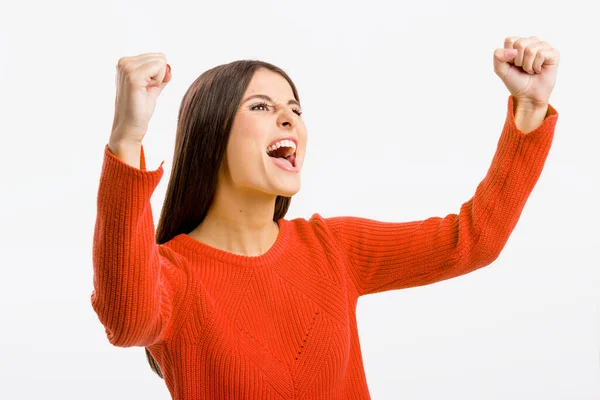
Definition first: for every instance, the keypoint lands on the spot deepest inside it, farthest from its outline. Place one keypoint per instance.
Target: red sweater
(283, 325)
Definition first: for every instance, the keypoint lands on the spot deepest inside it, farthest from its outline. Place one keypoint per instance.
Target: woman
(230, 299)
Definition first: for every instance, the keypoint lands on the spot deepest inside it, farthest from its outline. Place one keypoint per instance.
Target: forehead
(270, 83)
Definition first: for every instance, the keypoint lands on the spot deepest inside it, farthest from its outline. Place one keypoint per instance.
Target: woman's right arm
(134, 281)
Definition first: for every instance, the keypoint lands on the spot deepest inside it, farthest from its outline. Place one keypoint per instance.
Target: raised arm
(134, 283)
(387, 256)
(134, 279)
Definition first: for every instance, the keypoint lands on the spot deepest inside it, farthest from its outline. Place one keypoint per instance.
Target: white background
(404, 112)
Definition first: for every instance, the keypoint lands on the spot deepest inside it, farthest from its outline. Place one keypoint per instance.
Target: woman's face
(268, 138)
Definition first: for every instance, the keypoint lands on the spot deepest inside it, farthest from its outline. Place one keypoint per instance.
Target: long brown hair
(205, 118)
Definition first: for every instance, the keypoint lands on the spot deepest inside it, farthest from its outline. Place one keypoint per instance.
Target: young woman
(230, 299)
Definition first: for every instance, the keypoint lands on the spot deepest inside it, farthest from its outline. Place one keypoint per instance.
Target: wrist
(129, 137)
(529, 107)
(528, 119)
(127, 132)
(118, 143)
(128, 151)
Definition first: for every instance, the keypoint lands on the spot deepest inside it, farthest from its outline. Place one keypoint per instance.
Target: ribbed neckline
(184, 242)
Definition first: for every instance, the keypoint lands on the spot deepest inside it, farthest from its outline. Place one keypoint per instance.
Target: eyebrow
(265, 97)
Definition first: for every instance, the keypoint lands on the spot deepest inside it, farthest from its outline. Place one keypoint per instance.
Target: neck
(239, 224)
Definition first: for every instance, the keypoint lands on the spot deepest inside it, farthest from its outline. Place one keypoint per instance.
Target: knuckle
(158, 56)
(122, 62)
(127, 68)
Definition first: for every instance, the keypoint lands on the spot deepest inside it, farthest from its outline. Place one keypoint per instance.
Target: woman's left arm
(385, 256)
(388, 256)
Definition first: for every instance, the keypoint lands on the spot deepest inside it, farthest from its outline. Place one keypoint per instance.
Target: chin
(287, 191)
(287, 187)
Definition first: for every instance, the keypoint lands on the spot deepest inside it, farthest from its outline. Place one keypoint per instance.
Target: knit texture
(282, 325)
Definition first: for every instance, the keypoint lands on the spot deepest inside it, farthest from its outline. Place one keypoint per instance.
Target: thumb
(501, 59)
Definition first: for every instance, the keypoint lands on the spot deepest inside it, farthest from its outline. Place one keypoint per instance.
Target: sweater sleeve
(133, 282)
(387, 256)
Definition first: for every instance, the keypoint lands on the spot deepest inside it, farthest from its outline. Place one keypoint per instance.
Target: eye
(265, 105)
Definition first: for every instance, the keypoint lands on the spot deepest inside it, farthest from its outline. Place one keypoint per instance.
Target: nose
(286, 118)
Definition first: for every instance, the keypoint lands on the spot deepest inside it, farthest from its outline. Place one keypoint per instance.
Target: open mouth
(285, 151)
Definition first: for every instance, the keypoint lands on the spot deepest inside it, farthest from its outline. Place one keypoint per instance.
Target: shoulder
(329, 225)
(314, 229)
(315, 223)
(174, 262)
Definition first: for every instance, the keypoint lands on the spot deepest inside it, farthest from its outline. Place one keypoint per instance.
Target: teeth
(282, 143)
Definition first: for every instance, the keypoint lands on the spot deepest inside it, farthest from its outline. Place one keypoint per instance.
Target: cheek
(253, 132)
(245, 153)
(303, 137)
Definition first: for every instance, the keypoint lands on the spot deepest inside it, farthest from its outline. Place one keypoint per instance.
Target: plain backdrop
(403, 111)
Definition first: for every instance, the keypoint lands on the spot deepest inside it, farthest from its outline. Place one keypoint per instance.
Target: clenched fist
(528, 67)
(139, 81)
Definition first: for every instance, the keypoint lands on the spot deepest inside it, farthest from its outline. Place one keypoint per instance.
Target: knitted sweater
(282, 325)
